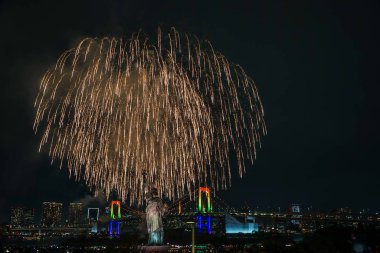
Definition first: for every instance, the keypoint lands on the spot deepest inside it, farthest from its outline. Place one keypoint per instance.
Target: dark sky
(315, 64)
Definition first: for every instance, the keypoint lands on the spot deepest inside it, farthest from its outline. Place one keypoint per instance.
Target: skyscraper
(92, 214)
(75, 214)
(51, 214)
(17, 216)
(22, 217)
(93, 217)
(295, 208)
(28, 217)
(296, 214)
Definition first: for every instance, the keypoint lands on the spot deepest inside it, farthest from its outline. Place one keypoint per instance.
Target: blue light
(114, 225)
(209, 225)
(110, 228)
(94, 228)
(204, 222)
(233, 226)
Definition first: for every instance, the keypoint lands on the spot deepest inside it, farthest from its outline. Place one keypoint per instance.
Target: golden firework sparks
(118, 113)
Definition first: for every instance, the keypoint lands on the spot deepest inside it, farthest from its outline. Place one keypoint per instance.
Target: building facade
(51, 214)
(28, 217)
(17, 216)
(22, 217)
(75, 214)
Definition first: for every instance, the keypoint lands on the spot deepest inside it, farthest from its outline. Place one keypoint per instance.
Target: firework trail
(118, 113)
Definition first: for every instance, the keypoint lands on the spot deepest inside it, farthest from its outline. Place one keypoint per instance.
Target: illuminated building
(93, 217)
(234, 226)
(28, 217)
(296, 214)
(22, 217)
(92, 214)
(295, 208)
(51, 214)
(75, 214)
(17, 216)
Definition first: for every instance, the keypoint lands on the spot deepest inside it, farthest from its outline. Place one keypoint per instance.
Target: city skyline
(57, 214)
(71, 212)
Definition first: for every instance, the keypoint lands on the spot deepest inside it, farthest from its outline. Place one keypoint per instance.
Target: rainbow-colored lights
(114, 224)
(117, 203)
(204, 221)
(201, 204)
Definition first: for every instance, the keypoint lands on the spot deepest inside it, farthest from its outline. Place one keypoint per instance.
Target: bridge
(199, 205)
(184, 206)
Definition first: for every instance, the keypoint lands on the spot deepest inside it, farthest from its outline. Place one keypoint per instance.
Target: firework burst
(122, 114)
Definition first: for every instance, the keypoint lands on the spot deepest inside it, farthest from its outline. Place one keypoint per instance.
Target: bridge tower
(203, 220)
(114, 224)
(204, 191)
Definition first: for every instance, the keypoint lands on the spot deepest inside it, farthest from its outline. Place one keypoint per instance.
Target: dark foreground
(330, 240)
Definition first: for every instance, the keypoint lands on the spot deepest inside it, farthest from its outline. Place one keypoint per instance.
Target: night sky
(315, 64)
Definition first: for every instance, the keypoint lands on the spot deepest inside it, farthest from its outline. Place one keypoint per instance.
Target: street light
(192, 236)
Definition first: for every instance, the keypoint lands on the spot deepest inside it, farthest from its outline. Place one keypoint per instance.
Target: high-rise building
(22, 217)
(295, 210)
(28, 217)
(75, 214)
(51, 214)
(92, 214)
(93, 217)
(17, 216)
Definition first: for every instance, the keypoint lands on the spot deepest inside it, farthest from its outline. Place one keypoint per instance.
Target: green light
(201, 207)
(118, 210)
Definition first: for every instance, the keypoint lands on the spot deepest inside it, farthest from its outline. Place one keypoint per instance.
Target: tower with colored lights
(203, 218)
(204, 206)
(115, 216)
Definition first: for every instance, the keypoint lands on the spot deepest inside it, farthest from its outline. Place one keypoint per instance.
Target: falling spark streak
(121, 113)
